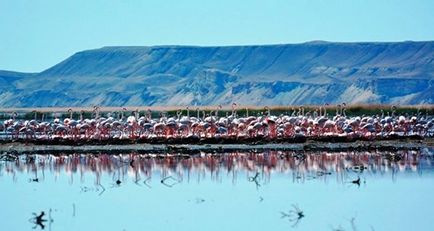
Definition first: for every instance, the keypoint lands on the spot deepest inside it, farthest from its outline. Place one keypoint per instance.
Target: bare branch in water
(295, 215)
(255, 180)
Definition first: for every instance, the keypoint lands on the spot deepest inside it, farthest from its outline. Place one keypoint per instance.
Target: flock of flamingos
(209, 125)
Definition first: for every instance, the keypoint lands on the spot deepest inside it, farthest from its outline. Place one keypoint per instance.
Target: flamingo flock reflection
(140, 168)
(202, 125)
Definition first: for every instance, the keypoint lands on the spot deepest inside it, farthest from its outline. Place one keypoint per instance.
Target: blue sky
(35, 35)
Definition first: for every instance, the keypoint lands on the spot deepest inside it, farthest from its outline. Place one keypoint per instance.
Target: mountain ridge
(314, 72)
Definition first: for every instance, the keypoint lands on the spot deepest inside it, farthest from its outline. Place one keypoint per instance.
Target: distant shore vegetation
(239, 110)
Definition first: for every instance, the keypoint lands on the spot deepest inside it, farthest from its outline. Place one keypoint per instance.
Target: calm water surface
(231, 191)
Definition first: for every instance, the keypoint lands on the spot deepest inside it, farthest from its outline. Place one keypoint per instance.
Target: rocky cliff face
(308, 73)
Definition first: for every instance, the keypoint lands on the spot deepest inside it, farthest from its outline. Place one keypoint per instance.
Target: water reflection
(345, 167)
(273, 190)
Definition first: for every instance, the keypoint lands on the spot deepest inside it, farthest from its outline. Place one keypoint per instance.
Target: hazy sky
(35, 35)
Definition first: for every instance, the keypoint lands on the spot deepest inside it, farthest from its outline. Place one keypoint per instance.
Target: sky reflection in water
(231, 191)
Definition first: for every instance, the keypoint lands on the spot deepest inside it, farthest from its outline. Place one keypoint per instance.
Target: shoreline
(377, 145)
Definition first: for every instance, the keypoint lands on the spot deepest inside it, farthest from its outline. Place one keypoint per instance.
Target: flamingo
(299, 123)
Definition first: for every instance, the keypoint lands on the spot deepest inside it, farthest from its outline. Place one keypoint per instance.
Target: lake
(272, 190)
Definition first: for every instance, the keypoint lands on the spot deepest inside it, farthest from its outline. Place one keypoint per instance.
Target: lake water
(232, 191)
